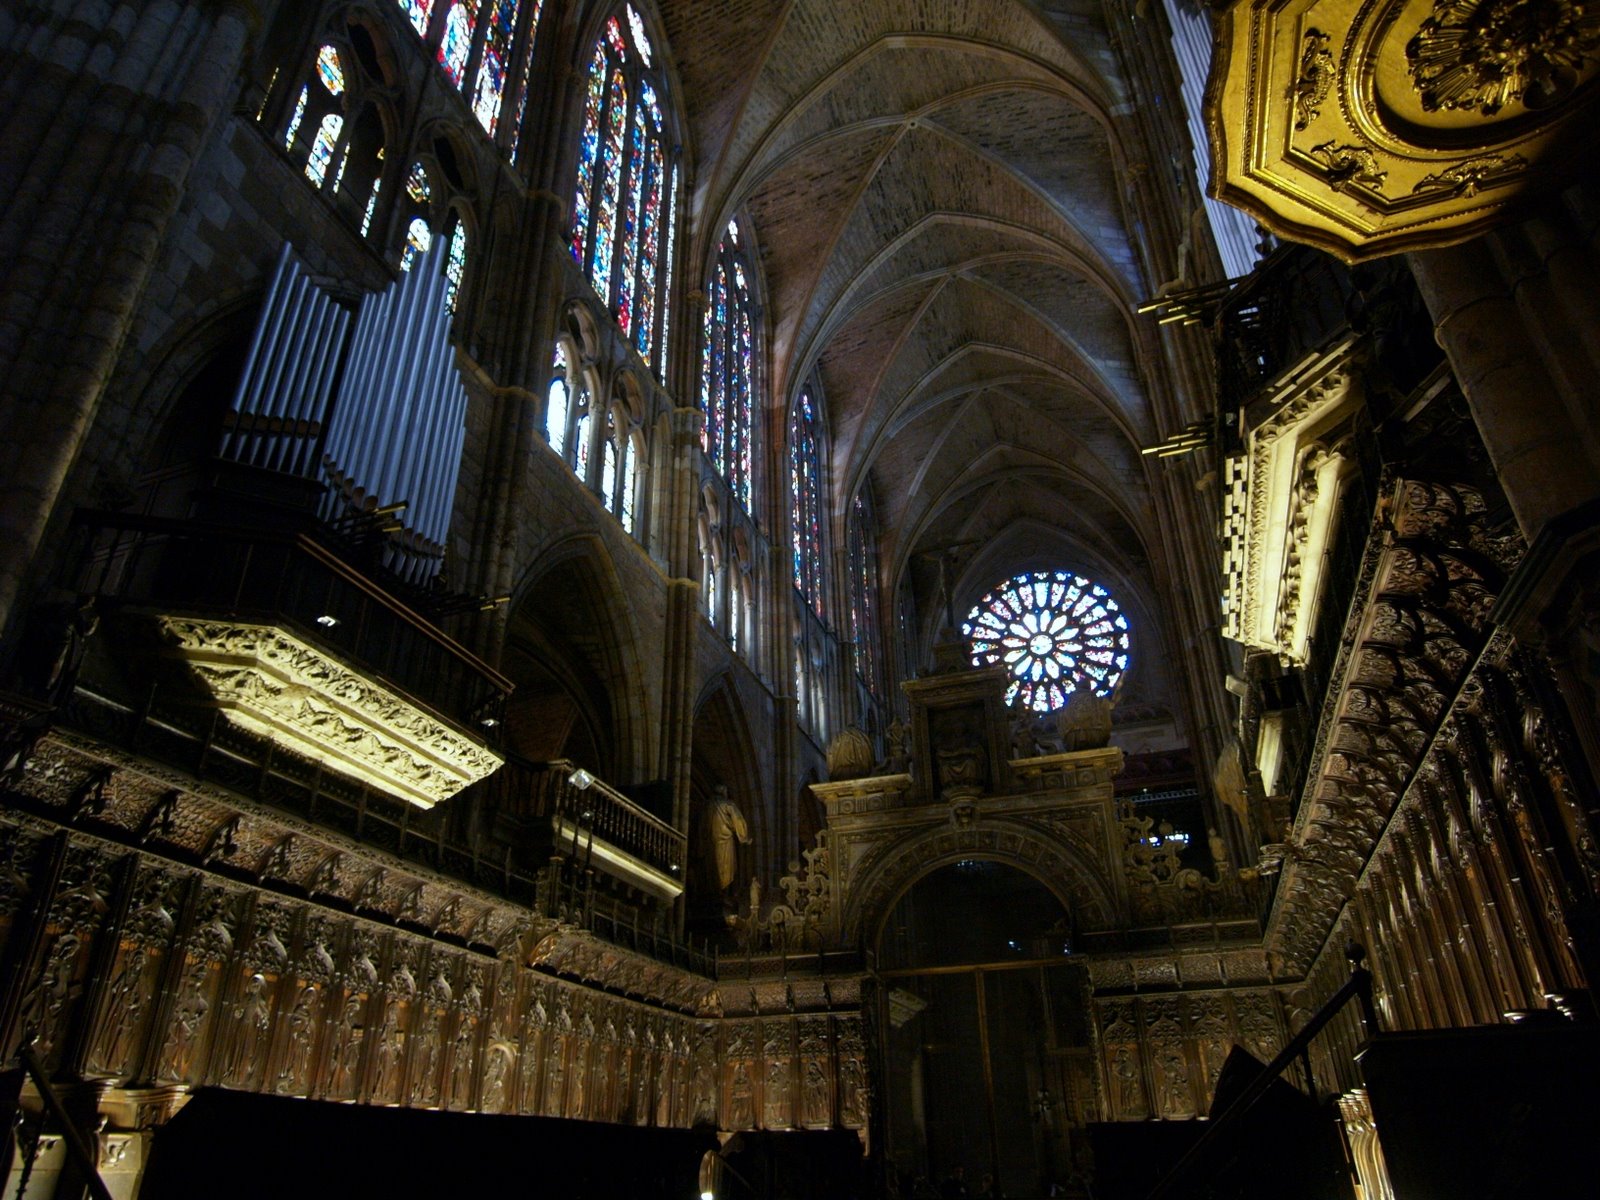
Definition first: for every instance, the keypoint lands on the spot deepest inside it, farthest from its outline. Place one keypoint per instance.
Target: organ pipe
(393, 433)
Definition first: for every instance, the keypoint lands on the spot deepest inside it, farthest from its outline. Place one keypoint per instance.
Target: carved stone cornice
(272, 684)
(1418, 627)
(1367, 127)
(1282, 493)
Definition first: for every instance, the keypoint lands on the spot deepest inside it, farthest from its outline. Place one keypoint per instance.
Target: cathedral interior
(774, 598)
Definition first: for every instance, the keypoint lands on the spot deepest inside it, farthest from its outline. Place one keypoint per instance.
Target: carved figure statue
(728, 829)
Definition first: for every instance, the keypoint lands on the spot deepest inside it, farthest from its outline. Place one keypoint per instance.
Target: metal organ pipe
(269, 314)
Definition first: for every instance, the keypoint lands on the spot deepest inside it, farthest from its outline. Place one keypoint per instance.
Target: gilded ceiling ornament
(1480, 55)
(1316, 77)
(1468, 178)
(1368, 127)
(1349, 167)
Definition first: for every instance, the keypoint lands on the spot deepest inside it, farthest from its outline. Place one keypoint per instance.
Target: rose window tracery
(1056, 631)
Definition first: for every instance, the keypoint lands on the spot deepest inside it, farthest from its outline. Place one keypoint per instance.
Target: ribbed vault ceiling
(936, 190)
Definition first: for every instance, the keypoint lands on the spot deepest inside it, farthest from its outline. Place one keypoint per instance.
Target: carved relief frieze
(274, 685)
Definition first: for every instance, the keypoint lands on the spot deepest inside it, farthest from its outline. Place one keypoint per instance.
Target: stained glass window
(863, 591)
(636, 26)
(456, 45)
(805, 494)
(727, 368)
(372, 202)
(555, 416)
(580, 444)
(418, 239)
(608, 464)
(322, 148)
(490, 89)
(418, 11)
(295, 119)
(455, 266)
(417, 184)
(527, 73)
(630, 483)
(329, 70)
(620, 233)
(1056, 631)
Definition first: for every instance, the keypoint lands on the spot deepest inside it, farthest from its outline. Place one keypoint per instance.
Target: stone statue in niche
(961, 758)
(728, 829)
(1085, 720)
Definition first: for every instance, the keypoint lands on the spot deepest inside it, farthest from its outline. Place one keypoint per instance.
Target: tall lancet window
(864, 630)
(626, 191)
(805, 496)
(727, 366)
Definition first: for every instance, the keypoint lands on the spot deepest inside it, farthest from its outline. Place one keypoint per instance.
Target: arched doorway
(985, 1029)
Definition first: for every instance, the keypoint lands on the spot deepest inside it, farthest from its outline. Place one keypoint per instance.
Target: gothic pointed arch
(574, 655)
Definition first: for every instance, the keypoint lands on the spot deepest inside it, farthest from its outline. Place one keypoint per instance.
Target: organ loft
(765, 598)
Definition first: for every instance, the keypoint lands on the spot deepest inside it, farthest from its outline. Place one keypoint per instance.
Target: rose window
(1056, 631)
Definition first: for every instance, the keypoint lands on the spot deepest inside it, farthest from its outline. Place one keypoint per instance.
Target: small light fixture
(673, 868)
(580, 779)
(327, 620)
(489, 722)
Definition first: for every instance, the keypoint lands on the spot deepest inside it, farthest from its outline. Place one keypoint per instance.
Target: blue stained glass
(630, 225)
(588, 151)
(490, 88)
(527, 74)
(295, 119)
(329, 70)
(649, 239)
(1048, 627)
(418, 238)
(605, 215)
(418, 11)
(456, 45)
(455, 266)
(666, 276)
(322, 148)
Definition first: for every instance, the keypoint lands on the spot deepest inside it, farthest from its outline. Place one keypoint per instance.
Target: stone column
(112, 106)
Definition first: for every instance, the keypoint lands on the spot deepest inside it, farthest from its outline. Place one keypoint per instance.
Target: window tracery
(623, 203)
(1056, 631)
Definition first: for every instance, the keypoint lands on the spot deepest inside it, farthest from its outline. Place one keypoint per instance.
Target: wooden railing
(550, 791)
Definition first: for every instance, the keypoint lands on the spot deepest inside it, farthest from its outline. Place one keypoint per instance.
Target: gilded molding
(272, 684)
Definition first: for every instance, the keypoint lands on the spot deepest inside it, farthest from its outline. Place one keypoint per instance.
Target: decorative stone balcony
(285, 639)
